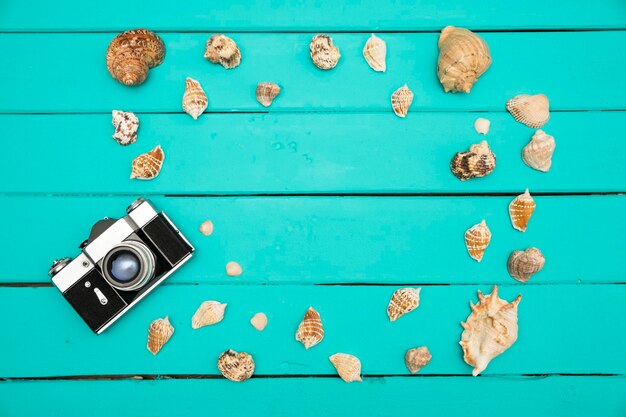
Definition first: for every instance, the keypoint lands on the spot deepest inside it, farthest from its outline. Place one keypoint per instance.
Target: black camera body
(121, 262)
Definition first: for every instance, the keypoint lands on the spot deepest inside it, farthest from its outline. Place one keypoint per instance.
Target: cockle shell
(520, 210)
(537, 154)
(477, 239)
(266, 93)
(206, 228)
(126, 126)
(415, 359)
(209, 312)
(375, 53)
(159, 332)
(310, 331)
(479, 161)
(195, 100)
(533, 111)
(324, 53)
(524, 264)
(236, 366)
(220, 49)
(463, 57)
(403, 300)
(401, 100)
(348, 367)
(259, 321)
(148, 165)
(233, 269)
(482, 125)
(490, 329)
(130, 54)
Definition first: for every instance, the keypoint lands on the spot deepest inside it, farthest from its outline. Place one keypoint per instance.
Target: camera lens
(129, 265)
(124, 266)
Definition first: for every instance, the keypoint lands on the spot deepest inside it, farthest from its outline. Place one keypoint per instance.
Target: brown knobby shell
(206, 228)
(236, 366)
(348, 366)
(537, 154)
(520, 210)
(233, 269)
(132, 53)
(259, 321)
(477, 239)
(148, 165)
(533, 111)
(310, 330)
(478, 162)
(375, 53)
(266, 93)
(401, 100)
(126, 125)
(524, 264)
(403, 301)
(159, 332)
(209, 312)
(415, 359)
(195, 100)
(220, 49)
(324, 53)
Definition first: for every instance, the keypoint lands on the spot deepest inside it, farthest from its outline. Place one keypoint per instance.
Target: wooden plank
(548, 63)
(337, 240)
(542, 397)
(556, 328)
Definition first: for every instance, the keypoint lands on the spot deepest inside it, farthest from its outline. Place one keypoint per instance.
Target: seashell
(520, 210)
(266, 93)
(533, 111)
(148, 165)
(477, 239)
(209, 312)
(132, 53)
(463, 57)
(403, 300)
(259, 321)
(236, 366)
(538, 152)
(348, 367)
(324, 53)
(482, 125)
(416, 359)
(233, 269)
(490, 329)
(375, 53)
(195, 100)
(159, 332)
(478, 162)
(310, 330)
(401, 100)
(126, 126)
(524, 264)
(220, 49)
(206, 228)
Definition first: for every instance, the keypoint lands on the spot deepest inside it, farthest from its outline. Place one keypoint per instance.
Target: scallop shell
(482, 125)
(403, 300)
(490, 329)
(477, 239)
(233, 269)
(259, 321)
(537, 154)
(415, 359)
(130, 54)
(533, 111)
(348, 367)
(520, 210)
(478, 162)
(148, 165)
(463, 57)
(209, 312)
(220, 49)
(195, 100)
(310, 331)
(126, 125)
(159, 332)
(236, 366)
(375, 53)
(401, 100)
(266, 93)
(206, 228)
(324, 53)
(524, 264)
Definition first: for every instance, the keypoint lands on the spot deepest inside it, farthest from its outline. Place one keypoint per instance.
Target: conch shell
(266, 93)
(126, 126)
(324, 53)
(148, 165)
(209, 312)
(533, 111)
(401, 100)
(479, 161)
(537, 154)
(520, 210)
(524, 264)
(477, 239)
(159, 332)
(310, 331)
(490, 329)
(259, 321)
(220, 49)
(375, 53)
(482, 125)
(195, 100)
(348, 366)
(463, 57)
(415, 359)
(403, 300)
(132, 53)
(235, 366)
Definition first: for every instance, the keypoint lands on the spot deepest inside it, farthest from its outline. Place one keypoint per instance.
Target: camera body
(121, 262)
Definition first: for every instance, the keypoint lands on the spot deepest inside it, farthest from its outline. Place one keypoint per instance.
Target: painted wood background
(326, 199)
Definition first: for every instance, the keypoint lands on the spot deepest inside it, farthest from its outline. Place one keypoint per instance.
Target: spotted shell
(403, 301)
(401, 100)
(236, 366)
(195, 100)
(537, 154)
(148, 165)
(524, 264)
(220, 49)
(520, 210)
(375, 53)
(259, 321)
(132, 53)
(533, 111)
(415, 359)
(479, 161)
(482, 125)
(126, 126)
(310, 331)
(266, 93)
(477, 239)
(324, 53)
(209, 312)
(159, 332)
(348, 366)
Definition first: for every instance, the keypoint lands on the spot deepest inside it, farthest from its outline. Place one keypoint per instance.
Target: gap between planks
(337, 284)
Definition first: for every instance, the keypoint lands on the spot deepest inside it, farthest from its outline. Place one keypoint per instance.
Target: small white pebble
(482, 125)
(259, 321)
(233, 269)
(206, 228)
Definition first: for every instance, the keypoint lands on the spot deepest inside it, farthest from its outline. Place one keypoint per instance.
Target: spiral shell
(537, 154)
(148, 165)
(209, 312)
(195, 100)
(477, 239)
(482, 125)
(524, 264)
(159, 332)
(403, 301)
(401, 100)
(533, 111)
(348, 367)
(126, 126)
(375, 53)
(259, 321)
(520, 210)
(266, 93)
(220, 49)
(236, 366)
(132, 53)
(479, 161)
(324, 53)
(415, 359)
(310, 331)
(463, 57)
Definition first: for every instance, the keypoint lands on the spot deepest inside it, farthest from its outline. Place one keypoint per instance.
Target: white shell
(209, 312)
(482, 125)
(233, 269)
(348, 366)
(375, 53)
(537, 154)
(206, 228)
(126, 125)
(259, 321)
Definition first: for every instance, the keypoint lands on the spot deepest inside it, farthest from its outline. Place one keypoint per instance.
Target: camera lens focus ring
(134, 257)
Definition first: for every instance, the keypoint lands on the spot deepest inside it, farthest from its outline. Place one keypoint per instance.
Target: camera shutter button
(101, 297)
